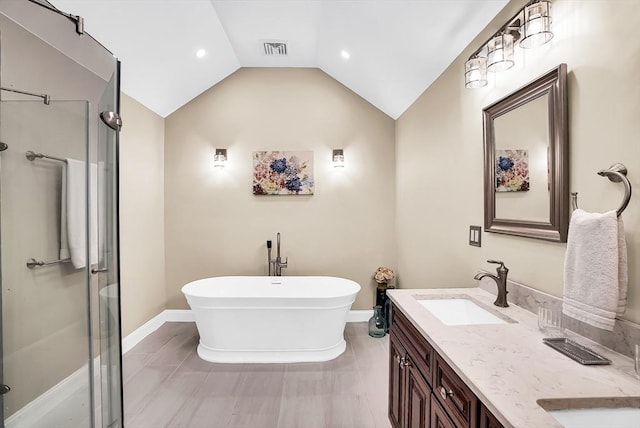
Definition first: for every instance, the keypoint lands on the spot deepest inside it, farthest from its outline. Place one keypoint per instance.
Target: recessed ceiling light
(200, 53)
(345, 54)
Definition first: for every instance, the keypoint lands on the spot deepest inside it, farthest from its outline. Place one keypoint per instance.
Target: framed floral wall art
(283, 173)
(512, 170)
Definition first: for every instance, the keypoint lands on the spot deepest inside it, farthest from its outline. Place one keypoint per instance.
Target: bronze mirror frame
(553, 84)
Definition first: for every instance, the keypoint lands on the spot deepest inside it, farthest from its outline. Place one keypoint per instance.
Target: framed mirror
(526, 160)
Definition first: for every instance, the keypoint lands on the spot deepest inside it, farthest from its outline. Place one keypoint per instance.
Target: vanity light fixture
(500, 52)
(220, 158)
(531, 27)
(475, 72)
(338, 158)
(536, 28)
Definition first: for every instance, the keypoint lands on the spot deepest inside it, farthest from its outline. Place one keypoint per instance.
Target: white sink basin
(625, 417)
(460, 311)
(594, 412)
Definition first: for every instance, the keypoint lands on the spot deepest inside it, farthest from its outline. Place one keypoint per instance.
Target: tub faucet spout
(501, 282)
(277, 263)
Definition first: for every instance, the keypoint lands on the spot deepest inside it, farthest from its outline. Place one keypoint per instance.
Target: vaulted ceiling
(395, 48)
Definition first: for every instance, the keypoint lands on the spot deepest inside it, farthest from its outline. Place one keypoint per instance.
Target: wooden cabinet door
(418, 399)
(439, 418)
(421, 352)
(487, 420)
(455, 396)
(396, 382)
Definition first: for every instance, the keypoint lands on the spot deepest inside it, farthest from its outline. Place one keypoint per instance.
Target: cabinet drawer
(419, 350)
(456, 398)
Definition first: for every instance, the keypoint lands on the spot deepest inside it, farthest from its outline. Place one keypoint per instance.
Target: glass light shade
(536, 29)
(220, 158)
(475, 73)
(500, 53)
(338, 158)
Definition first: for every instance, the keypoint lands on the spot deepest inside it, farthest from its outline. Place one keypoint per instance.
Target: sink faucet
(277, 263)
(501, 282)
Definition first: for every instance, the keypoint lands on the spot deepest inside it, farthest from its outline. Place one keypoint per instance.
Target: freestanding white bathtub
(270, 319)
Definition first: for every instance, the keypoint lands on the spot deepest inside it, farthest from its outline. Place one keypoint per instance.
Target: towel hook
(617, 173)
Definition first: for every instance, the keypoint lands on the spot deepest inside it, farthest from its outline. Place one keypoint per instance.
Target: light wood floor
(168, 385)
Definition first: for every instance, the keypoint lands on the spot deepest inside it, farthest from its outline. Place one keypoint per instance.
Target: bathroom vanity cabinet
(424, 392)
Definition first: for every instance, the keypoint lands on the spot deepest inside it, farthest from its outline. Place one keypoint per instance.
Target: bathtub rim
(352, 290)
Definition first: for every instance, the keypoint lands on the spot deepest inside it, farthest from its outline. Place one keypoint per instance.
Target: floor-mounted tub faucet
(501, 282)
(269, 256)
(276, 265)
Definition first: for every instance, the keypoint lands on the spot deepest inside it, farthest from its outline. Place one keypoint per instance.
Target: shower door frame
(28, 18)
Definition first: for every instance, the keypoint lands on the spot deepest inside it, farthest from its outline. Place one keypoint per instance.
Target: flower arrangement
(383, 275)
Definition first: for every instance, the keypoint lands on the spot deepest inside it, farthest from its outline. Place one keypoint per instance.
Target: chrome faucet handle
(501, 268)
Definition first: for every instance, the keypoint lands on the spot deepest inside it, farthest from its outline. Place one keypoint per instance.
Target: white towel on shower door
(595, 278)
(77, 212)
(64, 234)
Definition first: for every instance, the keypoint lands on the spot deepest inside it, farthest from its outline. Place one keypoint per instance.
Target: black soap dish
(575, 351)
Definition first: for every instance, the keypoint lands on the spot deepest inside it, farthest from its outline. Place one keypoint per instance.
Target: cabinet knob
(444, 393)
(406, 362)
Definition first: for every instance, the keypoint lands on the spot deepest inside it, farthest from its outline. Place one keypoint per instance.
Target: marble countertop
(508, 367)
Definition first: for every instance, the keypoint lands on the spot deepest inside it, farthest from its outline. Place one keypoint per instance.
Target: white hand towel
(623, 278)
(64, 240)
(593, 269)
(77, 213)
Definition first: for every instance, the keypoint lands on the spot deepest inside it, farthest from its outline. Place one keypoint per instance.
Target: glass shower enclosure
(60, 347)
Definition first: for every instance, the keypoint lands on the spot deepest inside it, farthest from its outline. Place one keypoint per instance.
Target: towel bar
(31, 263)
(617, 173)
(32, 155)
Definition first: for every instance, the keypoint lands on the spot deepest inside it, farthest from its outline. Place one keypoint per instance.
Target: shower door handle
(112, 120)
(99, 270)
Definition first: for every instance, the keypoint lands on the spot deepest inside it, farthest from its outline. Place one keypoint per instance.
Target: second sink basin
(621, 412)
(461, 310)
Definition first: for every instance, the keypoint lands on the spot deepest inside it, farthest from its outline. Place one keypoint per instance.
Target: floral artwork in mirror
(512, 170)
(283, 173)
(526, 189)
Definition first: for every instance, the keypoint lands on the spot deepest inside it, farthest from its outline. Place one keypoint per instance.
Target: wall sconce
(220, 158)
(338, 158)
(531, 26)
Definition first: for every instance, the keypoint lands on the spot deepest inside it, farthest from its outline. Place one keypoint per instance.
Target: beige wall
(142, 272)
(439, 151)
(215, 226)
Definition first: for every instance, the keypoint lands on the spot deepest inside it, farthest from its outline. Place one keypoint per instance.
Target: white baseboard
(179, 315)
(185, 315)
(143, 331)
(359, 315)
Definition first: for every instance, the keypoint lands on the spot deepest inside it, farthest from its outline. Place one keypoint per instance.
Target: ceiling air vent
(273, 48)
